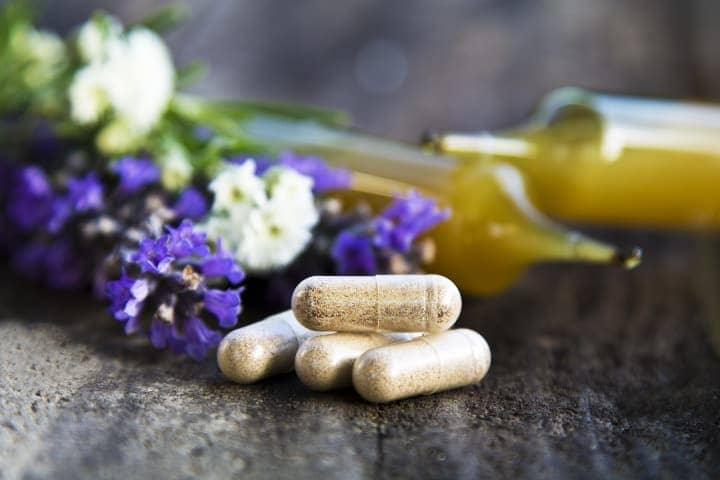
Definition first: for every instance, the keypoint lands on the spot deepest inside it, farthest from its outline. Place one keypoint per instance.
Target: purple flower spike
(153, 255)
(185, 241)
(30, 200)
(171, 290)
(405, 219)
(191, 204)
(224, 304)
(359, 249)
(64, 267)
(85, 194)
(324, 177)
(126, 297)
(353, 253)
(199, 338)
(135, 173)
(162, 333)
(222, 264)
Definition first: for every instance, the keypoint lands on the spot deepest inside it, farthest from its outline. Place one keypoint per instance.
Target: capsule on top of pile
(392, 303)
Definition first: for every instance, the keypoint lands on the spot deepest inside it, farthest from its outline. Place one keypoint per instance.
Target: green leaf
(228, 114)
(333, 118)
(166, 17)
(190, 74)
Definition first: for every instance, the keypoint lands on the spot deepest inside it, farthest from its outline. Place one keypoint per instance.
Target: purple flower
(191, 204)
(353, 253)
(170, 291)
(185, 241)
(224, 304)
(126, 297)
(135, 173)
(324, 177)
(30, 200)
(65, 268)
(357, 249)
(60, 211)
(57, 263)
(199, 338)
(405, 219)
(262, 164)
(85, 194)
(153, 255)
(163, 334)
(222, 264)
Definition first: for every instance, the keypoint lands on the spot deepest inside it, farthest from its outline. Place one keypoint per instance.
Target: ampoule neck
(483, 144)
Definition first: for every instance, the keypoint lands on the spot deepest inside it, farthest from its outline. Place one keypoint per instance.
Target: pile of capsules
(386, 335)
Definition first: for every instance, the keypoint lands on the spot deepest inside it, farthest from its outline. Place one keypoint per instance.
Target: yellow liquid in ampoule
(613, 160)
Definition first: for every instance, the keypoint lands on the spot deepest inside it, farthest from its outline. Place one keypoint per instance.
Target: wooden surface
(597, 373)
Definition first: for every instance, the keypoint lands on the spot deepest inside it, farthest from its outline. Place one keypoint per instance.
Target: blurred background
(405, 66)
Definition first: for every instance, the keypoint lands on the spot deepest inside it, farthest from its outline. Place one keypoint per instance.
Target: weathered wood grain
(596, 373)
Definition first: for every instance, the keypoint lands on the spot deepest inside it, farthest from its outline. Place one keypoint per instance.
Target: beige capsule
(262, 349)
(426, 365)
(391, 303)
(325, 362)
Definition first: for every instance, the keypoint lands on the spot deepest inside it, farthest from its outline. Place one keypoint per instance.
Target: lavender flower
(167, 290)
(29, 204)
(371, 245)
(353, 253)
(185, 241)
(85, 193)
(191, 204)
(153, 255)
(406, 219)
(56, 263)
(222, 264)
(225, 305)
(135, 174)
(325, 178)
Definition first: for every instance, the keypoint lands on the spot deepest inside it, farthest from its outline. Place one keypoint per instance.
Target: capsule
(423, 366)
(262, 349)
(395, 303)
(325, 362)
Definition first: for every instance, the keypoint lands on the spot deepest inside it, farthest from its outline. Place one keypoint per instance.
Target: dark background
(404, 66)
(597, 372)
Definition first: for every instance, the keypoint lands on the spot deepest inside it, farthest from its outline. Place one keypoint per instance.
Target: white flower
(88, 95)
(237, 187)
(265, 221)
(140, 78)
(291, 194)
(175, 168)
(270, 239)
(133, 74)
(95, 36)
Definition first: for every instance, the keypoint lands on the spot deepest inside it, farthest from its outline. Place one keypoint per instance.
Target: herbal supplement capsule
(325, 362)
(262, 349)
(395, 303)
(426, 365)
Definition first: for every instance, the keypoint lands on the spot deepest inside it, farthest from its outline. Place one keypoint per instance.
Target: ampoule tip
(628, 258)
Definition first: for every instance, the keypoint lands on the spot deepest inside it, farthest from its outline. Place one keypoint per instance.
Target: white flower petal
(88, 96)
(237, 187)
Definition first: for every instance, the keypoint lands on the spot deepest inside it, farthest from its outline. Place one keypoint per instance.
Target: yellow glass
(613, 160)
(495, 230)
